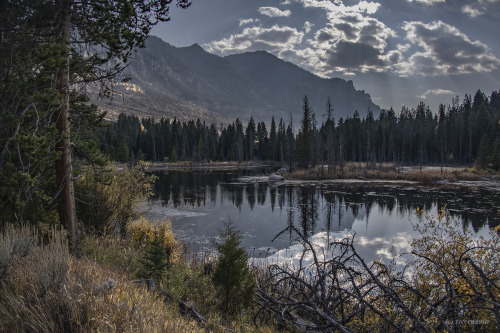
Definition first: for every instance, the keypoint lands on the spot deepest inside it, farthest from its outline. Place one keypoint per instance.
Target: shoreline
(354, 172)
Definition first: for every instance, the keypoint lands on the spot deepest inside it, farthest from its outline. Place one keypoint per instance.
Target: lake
(381, 214)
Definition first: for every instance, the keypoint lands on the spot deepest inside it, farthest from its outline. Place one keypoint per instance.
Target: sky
(400, 52)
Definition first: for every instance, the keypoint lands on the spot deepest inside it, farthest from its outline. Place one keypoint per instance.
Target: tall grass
(15, 242)
(48, 290)
(389, 171)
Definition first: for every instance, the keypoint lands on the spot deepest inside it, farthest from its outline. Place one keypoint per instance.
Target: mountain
(190, 83)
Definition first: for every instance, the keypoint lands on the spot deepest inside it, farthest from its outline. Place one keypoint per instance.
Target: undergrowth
(97, 290)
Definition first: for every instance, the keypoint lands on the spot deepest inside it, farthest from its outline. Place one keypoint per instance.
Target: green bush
(156, 260)
(232, 278)
(107, 202)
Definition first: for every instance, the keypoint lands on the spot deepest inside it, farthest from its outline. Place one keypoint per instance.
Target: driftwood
(185, 308)
(190, 311)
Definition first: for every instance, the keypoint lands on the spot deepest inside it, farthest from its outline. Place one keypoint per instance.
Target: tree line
(462, 132)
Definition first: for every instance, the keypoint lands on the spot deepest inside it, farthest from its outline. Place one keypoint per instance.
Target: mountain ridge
(189, 83)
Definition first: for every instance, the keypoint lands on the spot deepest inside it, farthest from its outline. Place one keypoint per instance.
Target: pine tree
(483, 152)
(495, 155)
(305, 136)
(140, 155)
(273, 138)
(123, 152)
(173, 156)
(155, 261)
(232, 276)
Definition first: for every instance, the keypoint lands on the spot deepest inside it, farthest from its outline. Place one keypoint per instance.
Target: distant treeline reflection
(311, 203)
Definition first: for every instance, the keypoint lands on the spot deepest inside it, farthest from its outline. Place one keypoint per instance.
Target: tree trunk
(64, 172)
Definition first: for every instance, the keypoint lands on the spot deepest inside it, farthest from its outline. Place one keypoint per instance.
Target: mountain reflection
(323, 207)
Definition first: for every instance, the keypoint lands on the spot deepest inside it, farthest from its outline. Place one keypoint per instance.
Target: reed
(390, 171)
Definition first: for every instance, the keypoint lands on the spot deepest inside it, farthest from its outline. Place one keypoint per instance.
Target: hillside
(190, 83)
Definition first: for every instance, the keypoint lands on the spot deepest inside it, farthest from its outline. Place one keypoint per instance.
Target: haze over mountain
(190, 83)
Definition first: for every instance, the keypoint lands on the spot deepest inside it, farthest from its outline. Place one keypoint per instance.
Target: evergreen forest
(463, 132)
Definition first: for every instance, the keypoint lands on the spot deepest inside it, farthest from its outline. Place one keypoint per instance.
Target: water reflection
(198, 201)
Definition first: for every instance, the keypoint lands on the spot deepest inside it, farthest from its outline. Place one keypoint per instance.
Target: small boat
(275, 178)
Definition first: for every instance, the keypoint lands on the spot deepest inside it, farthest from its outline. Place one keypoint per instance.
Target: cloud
(436, 92)
(444, 50)
(274, 39)
(352, 41)
(428, 2)
(472, 12)
(308, 26)
(347, 55)
(337, 7)
(247, 21)
(274, 12)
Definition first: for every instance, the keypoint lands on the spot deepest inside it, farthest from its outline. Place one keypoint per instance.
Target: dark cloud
(353, 56)
(373, 34)
(353, 19)
(393, 57)
(323, 36)
(350, 31)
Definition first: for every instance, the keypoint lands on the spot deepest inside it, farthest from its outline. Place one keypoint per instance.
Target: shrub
(108, 201)
(450, 284)
(160, 246)
(232, 276)
(15, 243)
(51, 262)
(156, 259)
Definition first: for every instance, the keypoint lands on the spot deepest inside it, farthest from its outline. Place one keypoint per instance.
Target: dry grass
(389, 171)
(48, 290)
(15, 242)
(52, 291)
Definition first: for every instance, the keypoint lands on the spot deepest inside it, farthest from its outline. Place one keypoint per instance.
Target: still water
(382, 215)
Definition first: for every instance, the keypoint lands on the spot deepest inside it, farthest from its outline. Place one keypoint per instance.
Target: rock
(276, 178)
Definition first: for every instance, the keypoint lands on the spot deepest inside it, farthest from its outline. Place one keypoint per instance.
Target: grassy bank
(389, 171)
(45, 288)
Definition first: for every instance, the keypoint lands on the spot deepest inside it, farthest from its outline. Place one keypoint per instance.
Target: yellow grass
(46, 289)
(49, 290)
(389, 171)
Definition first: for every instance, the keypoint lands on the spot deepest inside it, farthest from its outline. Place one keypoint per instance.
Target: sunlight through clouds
(427, 40)
(444, 50)
(354, 40)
